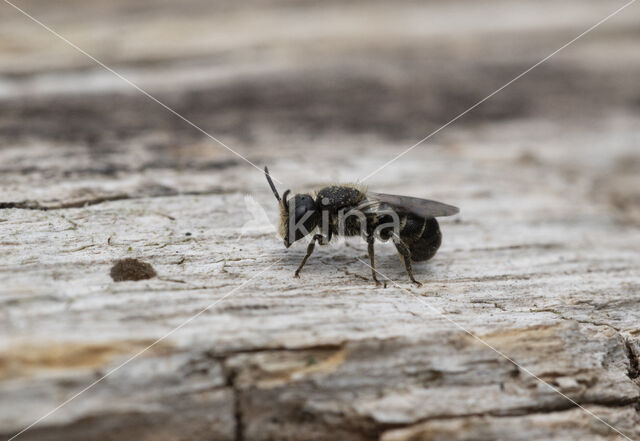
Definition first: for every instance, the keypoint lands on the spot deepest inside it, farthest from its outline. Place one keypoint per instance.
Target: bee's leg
(405, 253)
(370, 241)
(317, 237)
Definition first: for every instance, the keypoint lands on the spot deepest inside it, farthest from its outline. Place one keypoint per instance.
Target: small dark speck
(131, 269)
(187, 234)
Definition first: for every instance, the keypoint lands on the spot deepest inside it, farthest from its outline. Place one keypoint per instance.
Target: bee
(350, 210)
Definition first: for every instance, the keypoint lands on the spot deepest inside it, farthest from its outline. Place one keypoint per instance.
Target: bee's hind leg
(316, 238)
(372, 257)
(405, 254)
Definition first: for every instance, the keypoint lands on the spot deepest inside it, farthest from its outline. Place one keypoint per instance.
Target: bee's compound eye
(302, 203)
(302, 216)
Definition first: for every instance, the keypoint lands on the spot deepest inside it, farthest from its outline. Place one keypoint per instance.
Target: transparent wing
(417, 206)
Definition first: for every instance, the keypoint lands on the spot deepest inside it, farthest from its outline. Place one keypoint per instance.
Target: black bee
(349, 210)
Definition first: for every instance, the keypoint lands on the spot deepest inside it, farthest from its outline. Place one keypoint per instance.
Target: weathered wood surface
(542, 263)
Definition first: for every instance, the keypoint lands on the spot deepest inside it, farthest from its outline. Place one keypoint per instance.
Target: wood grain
(541, 264)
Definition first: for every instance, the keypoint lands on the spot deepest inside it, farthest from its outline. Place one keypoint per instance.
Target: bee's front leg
(316, 238)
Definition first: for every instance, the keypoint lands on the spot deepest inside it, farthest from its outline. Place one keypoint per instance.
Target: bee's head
(298, 215)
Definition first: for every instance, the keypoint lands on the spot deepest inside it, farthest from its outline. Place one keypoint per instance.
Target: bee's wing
(420, 207)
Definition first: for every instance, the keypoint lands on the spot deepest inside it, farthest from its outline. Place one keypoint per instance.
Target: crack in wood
(634, 366)
(36, 205)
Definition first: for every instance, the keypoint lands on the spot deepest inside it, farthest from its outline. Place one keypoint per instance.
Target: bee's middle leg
(405, 253)
(370, 242)
(316, 238)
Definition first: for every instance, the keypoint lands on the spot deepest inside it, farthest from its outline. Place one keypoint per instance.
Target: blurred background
(286, 79)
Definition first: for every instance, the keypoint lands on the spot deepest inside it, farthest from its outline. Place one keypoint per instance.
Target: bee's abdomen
(427, 244)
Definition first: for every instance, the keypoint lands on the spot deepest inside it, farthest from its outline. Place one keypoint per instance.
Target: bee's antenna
(273, 187)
